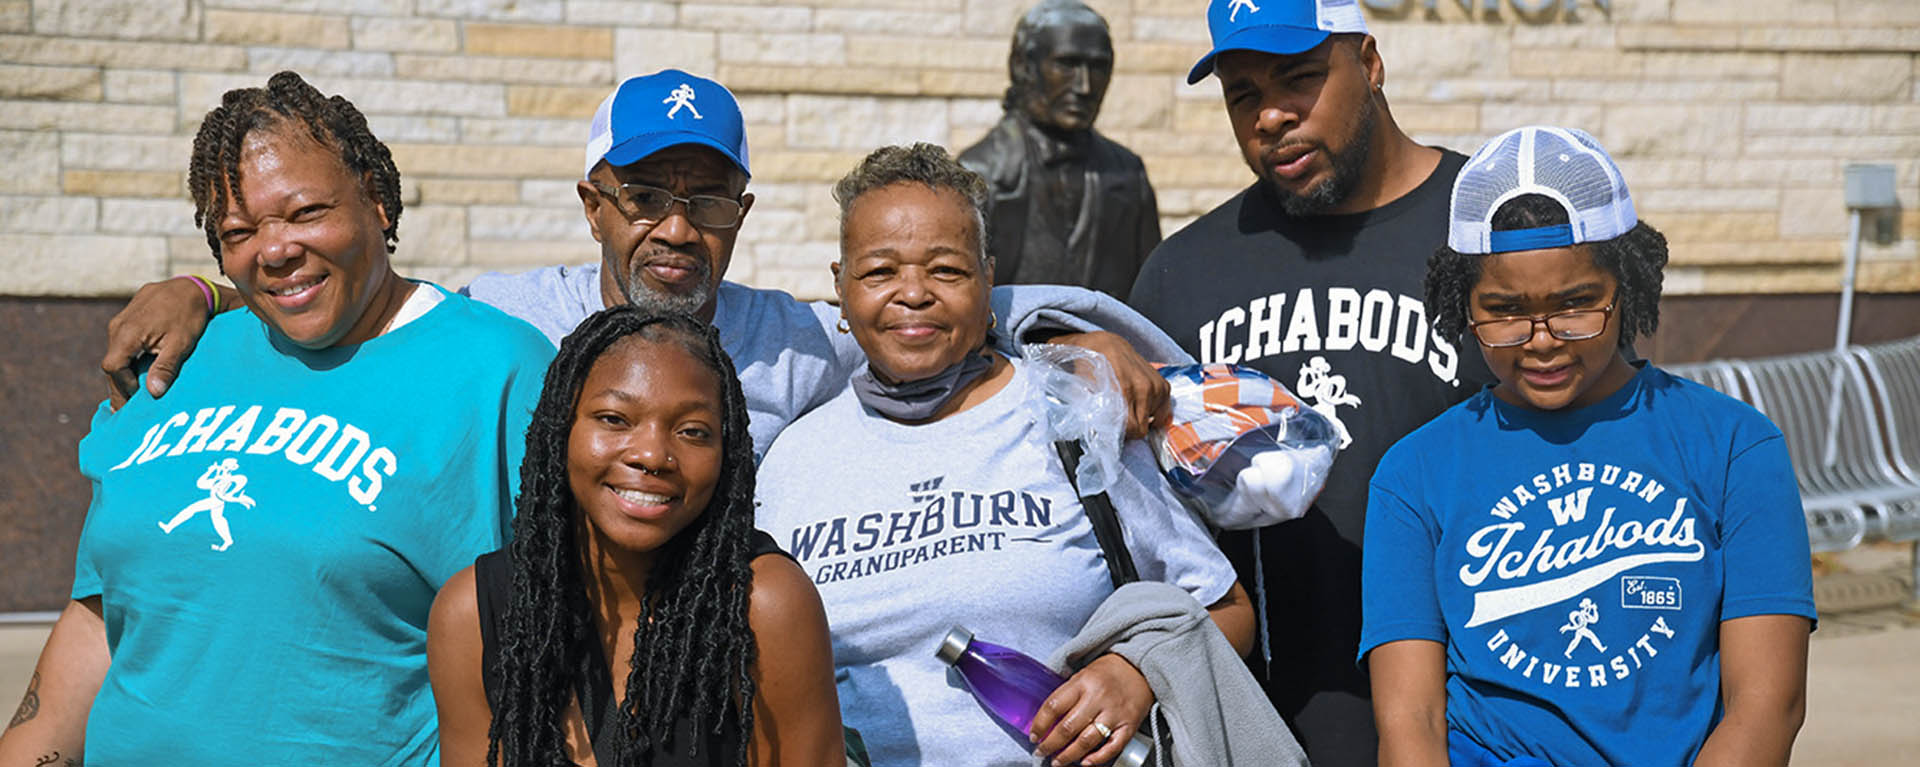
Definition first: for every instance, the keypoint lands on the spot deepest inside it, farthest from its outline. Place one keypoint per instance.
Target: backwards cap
(1282, 27)
(1565, 165)
(649, 113)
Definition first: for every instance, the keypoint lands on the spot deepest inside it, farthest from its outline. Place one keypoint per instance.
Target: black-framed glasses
(647, 203)
(1570, 325)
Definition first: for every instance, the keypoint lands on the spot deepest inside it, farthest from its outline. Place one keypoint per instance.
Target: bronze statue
(1069, 206)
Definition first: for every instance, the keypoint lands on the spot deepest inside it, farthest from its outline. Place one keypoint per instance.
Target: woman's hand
(1109, 691)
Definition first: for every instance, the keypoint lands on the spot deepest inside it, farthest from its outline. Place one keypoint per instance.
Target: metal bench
(1893, 369)
(1835, 435)
(1852, 426)
(1830, 526)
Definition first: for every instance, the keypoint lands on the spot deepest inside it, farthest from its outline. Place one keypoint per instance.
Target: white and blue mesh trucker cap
(648, 113)
(1563, 164)
(1282, 27)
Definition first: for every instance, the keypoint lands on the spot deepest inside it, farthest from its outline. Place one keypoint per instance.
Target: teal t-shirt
(267, 539)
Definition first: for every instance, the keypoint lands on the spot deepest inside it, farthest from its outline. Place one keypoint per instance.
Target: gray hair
(921, 163)
(1046, 13)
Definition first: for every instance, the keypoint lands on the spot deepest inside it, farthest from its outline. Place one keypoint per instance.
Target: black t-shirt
(1331, 307)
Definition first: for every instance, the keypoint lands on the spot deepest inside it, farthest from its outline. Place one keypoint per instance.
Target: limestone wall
(1732, 118)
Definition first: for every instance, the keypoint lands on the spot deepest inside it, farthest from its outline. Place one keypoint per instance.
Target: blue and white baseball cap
(1282, 27)
(649, 113)
(1563, 164)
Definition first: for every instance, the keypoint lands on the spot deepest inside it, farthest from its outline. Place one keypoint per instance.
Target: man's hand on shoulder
(1147, 394)
(164, 319)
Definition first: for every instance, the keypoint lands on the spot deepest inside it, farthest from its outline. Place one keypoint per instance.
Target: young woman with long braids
(634, 548)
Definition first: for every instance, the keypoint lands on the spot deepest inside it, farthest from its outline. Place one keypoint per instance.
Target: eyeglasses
(1573, 325)
(645, 203)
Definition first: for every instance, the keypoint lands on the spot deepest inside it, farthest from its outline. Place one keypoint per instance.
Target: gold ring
(1105, 732)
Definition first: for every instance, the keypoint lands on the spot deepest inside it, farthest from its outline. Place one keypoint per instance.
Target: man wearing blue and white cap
(665, 195)
(664, 192)
(1313, 276)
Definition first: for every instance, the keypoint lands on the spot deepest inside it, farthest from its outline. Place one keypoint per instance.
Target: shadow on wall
(1697, 328)
(50, 385)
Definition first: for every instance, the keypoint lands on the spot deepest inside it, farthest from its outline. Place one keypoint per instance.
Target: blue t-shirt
(1577, 564)
(267, 540)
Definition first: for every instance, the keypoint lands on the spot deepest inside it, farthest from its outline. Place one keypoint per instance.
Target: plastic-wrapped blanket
(1241, 447)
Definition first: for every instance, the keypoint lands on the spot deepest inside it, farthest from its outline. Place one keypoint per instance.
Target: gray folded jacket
(1208, 704)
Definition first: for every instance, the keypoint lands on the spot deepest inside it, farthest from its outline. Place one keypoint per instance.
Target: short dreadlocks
(214, 173)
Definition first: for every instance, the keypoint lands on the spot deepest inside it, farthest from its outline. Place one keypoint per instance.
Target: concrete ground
(1863, 679)
(1863, 699)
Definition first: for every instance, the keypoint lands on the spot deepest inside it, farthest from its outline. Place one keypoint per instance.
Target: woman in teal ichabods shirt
(261, 552)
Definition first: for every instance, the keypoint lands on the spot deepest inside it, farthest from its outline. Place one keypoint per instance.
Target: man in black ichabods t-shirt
(1313, 275)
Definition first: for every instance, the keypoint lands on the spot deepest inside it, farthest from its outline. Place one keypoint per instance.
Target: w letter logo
(1570, 508)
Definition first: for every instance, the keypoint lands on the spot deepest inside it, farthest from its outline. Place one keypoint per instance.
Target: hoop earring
(993, 320)
(842, 327)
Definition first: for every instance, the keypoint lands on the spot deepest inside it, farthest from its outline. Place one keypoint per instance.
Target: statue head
(1061, 62)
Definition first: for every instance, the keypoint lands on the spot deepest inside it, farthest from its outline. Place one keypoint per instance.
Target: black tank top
(493, 584)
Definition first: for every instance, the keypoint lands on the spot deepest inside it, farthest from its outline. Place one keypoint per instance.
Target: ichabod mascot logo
(1543, 573)
(223, 486)
(345, 456)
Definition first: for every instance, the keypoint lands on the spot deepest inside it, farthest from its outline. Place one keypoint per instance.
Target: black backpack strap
(1105, 519)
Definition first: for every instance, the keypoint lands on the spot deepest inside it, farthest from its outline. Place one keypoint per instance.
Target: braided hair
(213, 176)
(693, 648)
(1635, 259)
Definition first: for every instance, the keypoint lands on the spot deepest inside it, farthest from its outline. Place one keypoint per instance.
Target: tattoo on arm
(29, 705)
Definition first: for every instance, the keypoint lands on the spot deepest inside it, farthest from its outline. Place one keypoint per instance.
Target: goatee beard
(1346, 169)
(652, 301)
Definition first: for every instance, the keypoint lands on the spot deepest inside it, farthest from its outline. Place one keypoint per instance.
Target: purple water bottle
(1011, 686)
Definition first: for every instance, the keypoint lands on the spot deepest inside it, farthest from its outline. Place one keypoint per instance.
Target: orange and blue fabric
(1214, 406)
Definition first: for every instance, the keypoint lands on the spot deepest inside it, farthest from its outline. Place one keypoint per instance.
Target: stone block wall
(1732, 118)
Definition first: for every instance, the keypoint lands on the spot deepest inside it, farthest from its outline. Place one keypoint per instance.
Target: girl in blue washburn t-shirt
(263, 546)
(1592, 562)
